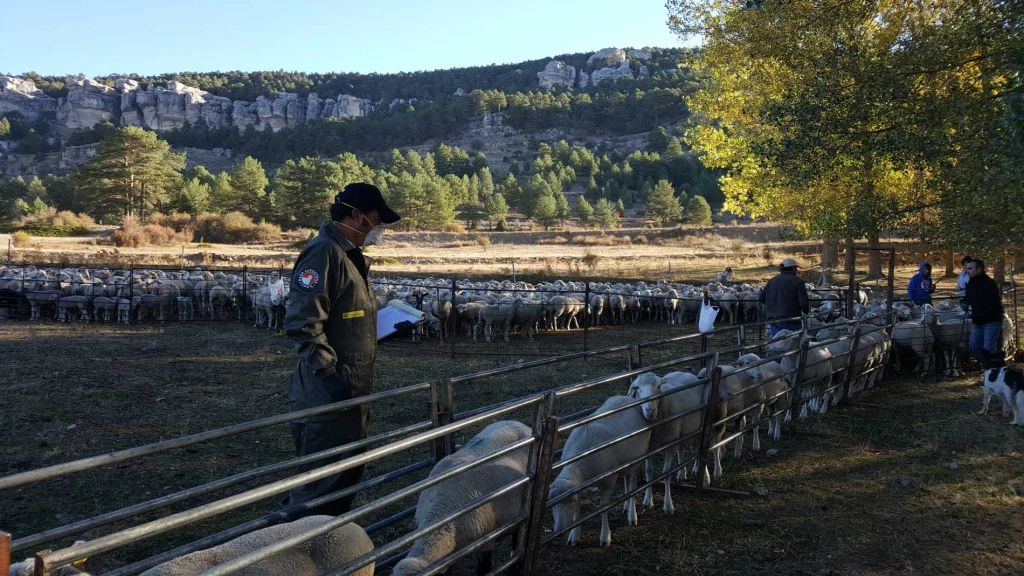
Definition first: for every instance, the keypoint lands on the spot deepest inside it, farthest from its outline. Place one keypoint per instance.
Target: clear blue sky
(97, 37)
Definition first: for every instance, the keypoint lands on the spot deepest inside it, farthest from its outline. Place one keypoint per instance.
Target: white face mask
(374, 237)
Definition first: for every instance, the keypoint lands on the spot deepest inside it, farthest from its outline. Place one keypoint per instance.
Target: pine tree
(674, 148)
(561, 207)
(249, 182)
(5, 128)
(698, 211)
(306, 188)
(546, 211)
(496, 208)
(662, 205)
(131, 171)
(604, 214)
(193, 198)
(584, 210)
(486, 183)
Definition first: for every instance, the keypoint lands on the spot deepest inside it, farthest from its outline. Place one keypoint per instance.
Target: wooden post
(539, 496)
(633, 359)
(5, 553)
(708, 429)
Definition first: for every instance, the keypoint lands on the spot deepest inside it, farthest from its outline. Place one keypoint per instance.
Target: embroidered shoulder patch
(309, 278)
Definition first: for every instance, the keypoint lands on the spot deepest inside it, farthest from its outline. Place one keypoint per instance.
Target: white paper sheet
(388, 316)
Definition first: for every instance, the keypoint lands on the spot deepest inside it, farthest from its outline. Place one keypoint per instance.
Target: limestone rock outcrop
(607, 56)
(584, 79)
(87, 104)
(640, 54)
(557, 73)
(22, 96)
(623, 71)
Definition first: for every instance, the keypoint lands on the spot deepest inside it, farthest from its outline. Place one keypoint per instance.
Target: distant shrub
(483, 241)
(453, 227)
(180, 221)
(387, 260)
(591, 260)
(132, 234)
(52, 223)
(21, 238)
(501, 226)
(556, 240)
(640, 239)
(234, 228)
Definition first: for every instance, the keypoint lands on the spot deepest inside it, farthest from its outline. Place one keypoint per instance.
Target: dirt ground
(866, 489)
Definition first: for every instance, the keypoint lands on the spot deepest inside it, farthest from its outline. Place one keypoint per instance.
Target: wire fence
(725, 395)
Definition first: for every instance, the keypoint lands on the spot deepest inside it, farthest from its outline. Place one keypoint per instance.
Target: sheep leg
(738, 443)
(681, 475)
(668, 507)
(718, 462)
(648, 502)
(756, 442)
(630, 481)
(484, 562)
(606, 531)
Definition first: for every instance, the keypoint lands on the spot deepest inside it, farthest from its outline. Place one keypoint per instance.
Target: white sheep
(589, 436)
(917, 336)
(453, 494)
(648, 385)
(772, 378)
(317, 556)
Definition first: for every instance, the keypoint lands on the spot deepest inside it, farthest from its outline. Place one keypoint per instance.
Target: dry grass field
(866, 489)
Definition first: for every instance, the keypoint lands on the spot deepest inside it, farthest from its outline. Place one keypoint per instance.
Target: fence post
(131, 291)
(849, 361)
(245, 292)
(1016, 319)
(633, 358)
(5, 551)
(541, 464)
(586, 317)
(892, 279)
(798, 385)
(741, 338)
(851, 265)
(452, 328)
(703, 349)
(708, 429)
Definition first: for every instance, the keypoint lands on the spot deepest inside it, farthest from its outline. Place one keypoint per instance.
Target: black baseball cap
(367, 197)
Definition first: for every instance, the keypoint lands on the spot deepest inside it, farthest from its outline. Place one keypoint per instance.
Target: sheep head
(566, 511)
(647, 385)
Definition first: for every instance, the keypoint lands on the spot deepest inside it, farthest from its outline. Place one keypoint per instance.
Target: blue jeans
(774, 329)
(986, 342)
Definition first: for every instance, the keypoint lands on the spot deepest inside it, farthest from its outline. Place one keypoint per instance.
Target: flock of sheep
(104, 295)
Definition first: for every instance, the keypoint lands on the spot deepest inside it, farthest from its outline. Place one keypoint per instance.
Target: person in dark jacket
(784, 297)
(331, 317)
(921, 285)
(986, 306)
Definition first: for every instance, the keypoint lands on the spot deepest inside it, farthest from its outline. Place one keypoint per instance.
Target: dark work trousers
(310, 437)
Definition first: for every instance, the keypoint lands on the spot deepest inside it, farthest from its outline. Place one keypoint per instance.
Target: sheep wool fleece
(332, 318)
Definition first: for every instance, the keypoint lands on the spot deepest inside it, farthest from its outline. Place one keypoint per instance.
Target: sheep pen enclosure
(852, 492)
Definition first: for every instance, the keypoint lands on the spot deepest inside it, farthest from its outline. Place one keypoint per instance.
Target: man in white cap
(784, 299)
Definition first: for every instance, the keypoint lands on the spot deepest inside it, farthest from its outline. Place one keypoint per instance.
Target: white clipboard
(394, 313)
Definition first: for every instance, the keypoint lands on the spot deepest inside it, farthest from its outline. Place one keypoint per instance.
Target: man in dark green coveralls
(332, 318)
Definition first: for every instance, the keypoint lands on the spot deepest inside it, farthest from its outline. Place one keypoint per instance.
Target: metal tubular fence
(707, 440)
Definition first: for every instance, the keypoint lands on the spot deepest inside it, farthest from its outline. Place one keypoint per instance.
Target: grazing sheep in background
(311, 558)
(104, 305)
(590, 436)
(648, 385)
(184, 308)
(596, 309)
(617, 307)
(70, 308)
(453, 494)
(724, 275)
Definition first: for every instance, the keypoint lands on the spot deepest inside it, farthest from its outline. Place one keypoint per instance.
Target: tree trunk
(999, 269)
(949, 263)
(874, 258)
(829, 252)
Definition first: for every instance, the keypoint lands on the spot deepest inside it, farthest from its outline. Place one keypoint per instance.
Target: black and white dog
(1008, 385)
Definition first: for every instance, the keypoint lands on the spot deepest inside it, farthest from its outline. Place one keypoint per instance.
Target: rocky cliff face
(89, 103)
(623, 71)
(607, 56)
(557, 73)
(22, 96)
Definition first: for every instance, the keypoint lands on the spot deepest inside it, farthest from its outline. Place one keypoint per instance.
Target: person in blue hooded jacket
(921, 286)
